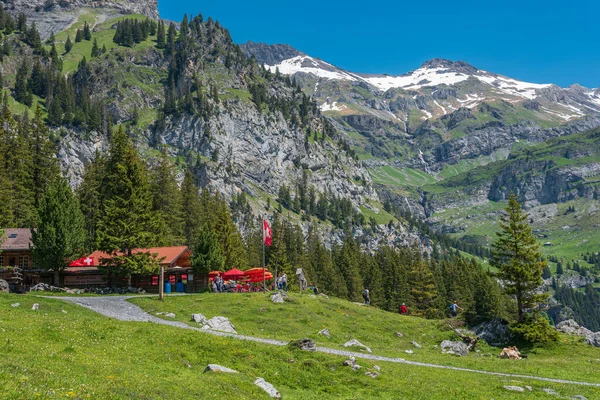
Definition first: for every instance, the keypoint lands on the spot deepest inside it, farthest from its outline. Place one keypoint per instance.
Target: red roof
(170, 254)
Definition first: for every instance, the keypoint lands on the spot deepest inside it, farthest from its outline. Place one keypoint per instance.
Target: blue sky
(536, 41)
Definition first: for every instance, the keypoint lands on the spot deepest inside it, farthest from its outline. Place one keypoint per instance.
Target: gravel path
(119, 308)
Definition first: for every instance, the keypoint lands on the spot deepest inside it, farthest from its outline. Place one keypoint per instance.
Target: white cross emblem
(88, 261)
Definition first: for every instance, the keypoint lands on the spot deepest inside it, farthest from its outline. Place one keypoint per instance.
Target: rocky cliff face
(53, 16)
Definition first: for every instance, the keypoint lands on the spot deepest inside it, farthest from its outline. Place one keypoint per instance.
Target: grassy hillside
(65, 351)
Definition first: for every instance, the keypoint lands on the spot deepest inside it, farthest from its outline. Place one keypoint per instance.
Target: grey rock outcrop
(269, 54)
(351, 362)
(572, 328)
(593, 339)
(219, 368)
(514, 388)
(267, 387)
(495, 332)
(278, 297)
(455, 348)
(356, 343)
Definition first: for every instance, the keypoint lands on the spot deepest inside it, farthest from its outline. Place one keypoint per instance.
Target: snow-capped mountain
(438, 87)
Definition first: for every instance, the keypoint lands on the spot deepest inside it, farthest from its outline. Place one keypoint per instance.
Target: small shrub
(536, 330)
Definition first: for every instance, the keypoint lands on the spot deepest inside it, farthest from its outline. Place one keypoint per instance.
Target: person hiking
(403, 309)
(284, 281)
(366, 296)
(454, 307)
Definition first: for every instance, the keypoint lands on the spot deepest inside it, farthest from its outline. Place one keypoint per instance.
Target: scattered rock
(376, 367)
(494, 332)
(417, 345)
(35, 306)
(511, 353)
(278, 297)
(170, 315)
(550, 391)
(4, 288)
(572, 328)
(303, 344)
(221, 324)
(351, 362)
(356, 343)
(267, 387)
(325, 332)
(514, 388)
(399, 334)
(15, 304)
(408, 351)
(593, 339)
(199, 318)
(456, 348)
(529, 388)
(372, 374)
(578, 397)
(219, 368)
(324, 295)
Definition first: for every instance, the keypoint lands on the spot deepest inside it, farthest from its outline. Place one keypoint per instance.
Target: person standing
(279, 282)
(454, 307)
(284, 281)
(366, 296)
(403, 309)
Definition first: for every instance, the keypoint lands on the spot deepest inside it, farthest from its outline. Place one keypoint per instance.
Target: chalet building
(175, 261)
(15, 248)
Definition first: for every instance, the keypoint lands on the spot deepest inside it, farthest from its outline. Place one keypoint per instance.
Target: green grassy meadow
(66, 351)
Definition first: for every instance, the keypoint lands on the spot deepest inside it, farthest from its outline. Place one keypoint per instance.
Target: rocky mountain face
(53, 16)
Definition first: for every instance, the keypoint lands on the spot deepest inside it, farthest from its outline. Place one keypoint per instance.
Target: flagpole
(263, 256)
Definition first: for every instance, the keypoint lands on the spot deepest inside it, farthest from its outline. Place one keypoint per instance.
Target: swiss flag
(267, 233)
(83, 262)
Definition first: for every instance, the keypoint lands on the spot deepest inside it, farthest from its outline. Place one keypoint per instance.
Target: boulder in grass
(219, 368)
(267, 387)
(514, 388)
(277, 298)
(4, 288)
(220, 324)
(356, 343)
(303, 344)
(325, 332)
(593, 339)
(199, 318)
(455, 348)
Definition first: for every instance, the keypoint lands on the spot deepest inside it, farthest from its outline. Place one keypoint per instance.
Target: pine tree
(78, 36)
(21, 91)
(423, 293)
(95, 49)
(517, 256)
(347, 263)
(559, 268)
(191, 209)
(160, 35)
(128, 221)
(68, 44)
(59, 235)
(165, 201)
(89, 194)
(87, 33)
(207, 254)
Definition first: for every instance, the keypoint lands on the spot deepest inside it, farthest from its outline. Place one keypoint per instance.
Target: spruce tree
(95, 49)
(87, 33)
(89, 194)
(165, 200)
(78, 36)
(160, 36)
(68, 44)
(190, 209)
(59, 235)
(423, 293)
(207, 253)
(128, 221)
(348, 263)
(517, 256)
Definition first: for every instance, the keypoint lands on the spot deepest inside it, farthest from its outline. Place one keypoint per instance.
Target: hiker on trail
(403, 309)
(316, 290)
(284, 281)
(366, 296)
(454, 309)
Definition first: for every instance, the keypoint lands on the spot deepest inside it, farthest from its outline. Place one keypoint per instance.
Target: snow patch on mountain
(417, 79)
(309, 65)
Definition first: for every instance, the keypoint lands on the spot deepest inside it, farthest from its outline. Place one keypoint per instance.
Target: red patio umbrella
(258, 278)
(234, 274)
(256, 271)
